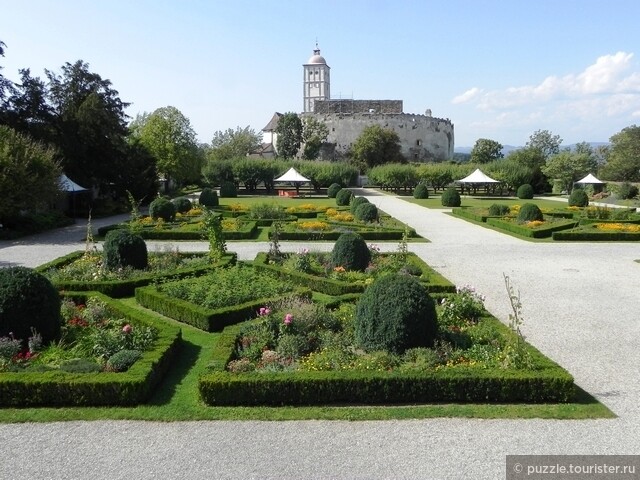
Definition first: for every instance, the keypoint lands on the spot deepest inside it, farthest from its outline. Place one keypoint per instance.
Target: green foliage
(351, 252)
(499, 210)
(375, 146)
(451, 198)
(289, 132)
(121, 361)
(394, 314)
(314, 134)
(80, 365)
(343, 197)
(266, 210)
(228, 190)
(529, 212)
(578, 198)
(544, 142)
(232, 144)
(421, 191)
(333, 190)
(623, 162)
(355, 202)
(366, 212)
(525, 192)
(213, 229)
(216, 172)
(182, 204)
(208, 197)
(124, 249)
(569, 167)
(627, 191)
(485, 151)
(162, 208)
(28, 301)
(393, 176)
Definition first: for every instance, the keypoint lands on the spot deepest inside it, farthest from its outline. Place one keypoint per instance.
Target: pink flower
(264, 311)
(127, 329)
(288, 318)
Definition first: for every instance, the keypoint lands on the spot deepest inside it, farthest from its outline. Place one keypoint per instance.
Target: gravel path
(581, 304)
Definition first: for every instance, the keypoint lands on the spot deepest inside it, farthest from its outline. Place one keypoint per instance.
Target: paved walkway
(581, 305)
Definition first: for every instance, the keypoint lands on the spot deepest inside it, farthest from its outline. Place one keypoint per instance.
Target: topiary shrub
(28, 301)
(333, 190)
(350, 252)
(208, 198)
(450, 198)
(366, 212)
(421, 191)
(497, 210)
(122, 360)
(529, 212)
(182, 204)
(356, 202)
(394, 314)
(228, 190)
(124, 249)
(578, 198)
(162, 208)
(525, 192)
(343, 197)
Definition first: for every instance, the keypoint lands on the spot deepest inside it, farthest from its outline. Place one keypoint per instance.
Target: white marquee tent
(590, 179)
(293, 176)
(478, 176)
(68, 185)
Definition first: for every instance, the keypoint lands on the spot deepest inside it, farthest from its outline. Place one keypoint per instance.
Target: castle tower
(316, 81)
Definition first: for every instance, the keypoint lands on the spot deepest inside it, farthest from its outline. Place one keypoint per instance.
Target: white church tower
(316, 81)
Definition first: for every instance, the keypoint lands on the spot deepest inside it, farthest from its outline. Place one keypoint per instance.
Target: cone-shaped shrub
(451, 198)
(350, 252)
(343, 197)
(525, 192)
(395, 313)
(366, 212)
(228, 190)
(356, 202)
(498, 210)
(28, 300)
(124, 249)
(208, 198)
(529, 212)
(182, 204)
(421, 191)
(333, 190)
(162, 208)
(578, 198)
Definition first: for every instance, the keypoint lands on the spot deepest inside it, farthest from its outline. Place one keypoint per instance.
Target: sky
(497, 69)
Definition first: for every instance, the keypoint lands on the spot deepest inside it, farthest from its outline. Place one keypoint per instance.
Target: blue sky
(497, 69)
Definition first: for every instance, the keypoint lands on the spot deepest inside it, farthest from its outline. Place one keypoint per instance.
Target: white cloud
(467, 96)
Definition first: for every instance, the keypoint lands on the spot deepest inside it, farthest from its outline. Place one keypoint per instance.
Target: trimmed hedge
(126, 288)
(208, 197)
(525, 192)
(470, 214)
(547, 382)
(209, 320)
(246, 232)
(578, 198)
(595, 236)
(543, 232)
(421, 191)
(135, 386)
(267, 222)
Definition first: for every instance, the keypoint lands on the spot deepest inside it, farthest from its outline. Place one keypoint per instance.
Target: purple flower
(288, 318)
(127, 329)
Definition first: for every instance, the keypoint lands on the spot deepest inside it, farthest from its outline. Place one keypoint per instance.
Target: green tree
(233, 143)
(569, 167)
(5, 84)
(168, 136)
(544, 141)
(486, 150)
(27, 110)
(623, 162)
(29, 173)
(289, 131)
(375, 146)
(314, 134)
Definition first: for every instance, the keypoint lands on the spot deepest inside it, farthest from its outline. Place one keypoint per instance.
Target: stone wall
(357, 106)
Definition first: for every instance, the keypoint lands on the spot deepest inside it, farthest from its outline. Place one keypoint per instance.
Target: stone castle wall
(348, 106)
(423, 138)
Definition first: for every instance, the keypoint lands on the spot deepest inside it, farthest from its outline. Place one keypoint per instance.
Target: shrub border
(527, 232)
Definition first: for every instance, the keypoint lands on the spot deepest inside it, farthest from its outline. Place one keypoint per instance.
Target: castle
(423, 138)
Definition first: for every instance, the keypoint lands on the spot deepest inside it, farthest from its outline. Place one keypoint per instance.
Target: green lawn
(485, 202)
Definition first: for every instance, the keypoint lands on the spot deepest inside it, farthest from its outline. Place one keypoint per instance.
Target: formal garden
(352, 333)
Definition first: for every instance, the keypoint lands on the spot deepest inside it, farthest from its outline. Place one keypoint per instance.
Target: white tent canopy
(477, 177)
(68, 185)
(590, 179)
(292, 175)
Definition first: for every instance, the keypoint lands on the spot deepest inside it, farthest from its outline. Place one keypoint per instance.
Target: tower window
(418, 142)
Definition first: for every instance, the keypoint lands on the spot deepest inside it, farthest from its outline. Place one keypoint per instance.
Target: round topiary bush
(28, 301)
(529, 212)
(421, 191)
(395, 313)
(578, 198)
(497, 210)
(182, 204)
(366, 212)
(343, 197)
(350, 252)
(208, 198)
(162, 208)
(451, 198)
(333, 190)
(124, 249)
(525, 192)
(356, 202)
(228, 190)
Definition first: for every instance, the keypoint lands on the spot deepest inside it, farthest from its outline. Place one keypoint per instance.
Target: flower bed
(233, 229)
(109, 354)
(534, 229)
(602, 231)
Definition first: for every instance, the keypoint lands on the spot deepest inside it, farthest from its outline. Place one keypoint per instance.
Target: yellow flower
(343, 217)
(313, 225)
(619, 227)
(194, 212)
(331, 212)
(534, 223)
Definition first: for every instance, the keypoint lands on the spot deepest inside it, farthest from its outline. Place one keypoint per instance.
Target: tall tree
(544, 141)
(314, 134)
(27, 108)
(168, 136)
(375, 146)
(568, 167)
(486, 150)
(5, 84)
(233, 143)
(623, 163)
(289, 131)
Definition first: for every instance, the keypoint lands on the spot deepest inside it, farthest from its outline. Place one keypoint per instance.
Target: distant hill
(507, 149)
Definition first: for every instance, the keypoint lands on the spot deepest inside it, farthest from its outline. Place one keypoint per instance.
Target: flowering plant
(462, 309)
